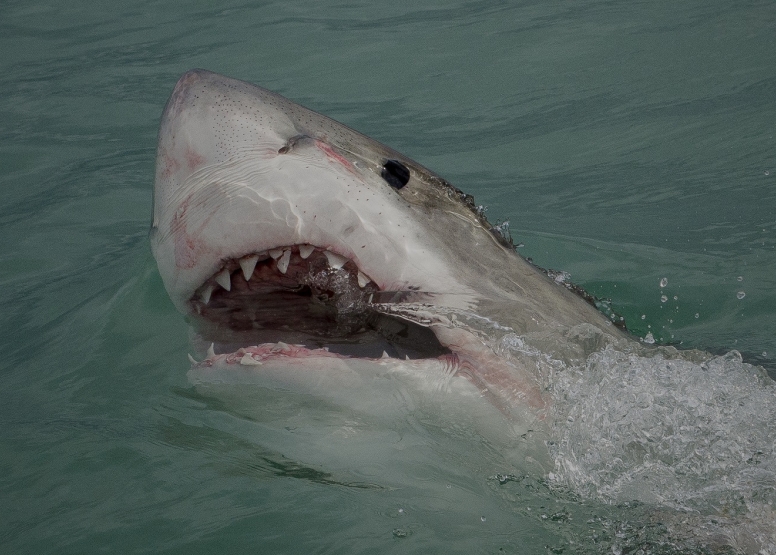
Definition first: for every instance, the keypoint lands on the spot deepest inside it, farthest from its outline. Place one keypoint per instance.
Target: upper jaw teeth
(335, 261)
(306, 250)
(283, 258)
(283, 261)
(224, 279)
(248, 264)
(206, 292)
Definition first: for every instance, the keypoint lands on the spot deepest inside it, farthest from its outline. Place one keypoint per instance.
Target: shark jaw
(283, 234)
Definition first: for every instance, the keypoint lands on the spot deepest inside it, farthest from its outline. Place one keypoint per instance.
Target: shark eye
(395, 173)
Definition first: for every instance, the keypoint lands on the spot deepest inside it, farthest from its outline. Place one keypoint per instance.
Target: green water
(624, 142)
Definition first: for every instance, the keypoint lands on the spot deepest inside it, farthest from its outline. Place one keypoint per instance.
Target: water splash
(679, 431)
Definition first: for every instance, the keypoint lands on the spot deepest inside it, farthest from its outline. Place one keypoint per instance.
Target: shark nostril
(292, 142)
(395, 173)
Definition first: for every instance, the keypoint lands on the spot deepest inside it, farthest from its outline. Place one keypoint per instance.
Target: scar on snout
(193, 158)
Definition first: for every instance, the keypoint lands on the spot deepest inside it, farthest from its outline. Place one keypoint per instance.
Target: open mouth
(304, 295)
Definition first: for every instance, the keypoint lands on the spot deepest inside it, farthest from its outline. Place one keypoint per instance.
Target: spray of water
(691, 436)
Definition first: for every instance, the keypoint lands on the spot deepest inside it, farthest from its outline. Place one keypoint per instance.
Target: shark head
(274, 224)
(243, 172)
(305, 250)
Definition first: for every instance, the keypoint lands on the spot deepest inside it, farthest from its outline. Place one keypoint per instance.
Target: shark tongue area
(302, 295)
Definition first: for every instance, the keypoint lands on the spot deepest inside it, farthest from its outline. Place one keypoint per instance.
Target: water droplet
(663, 282)
(740, 278)
(649, 338)
(767, 172)
(740, 295)
(697, 315)
(676, 297)
(765, 353)
(643, 316)
(482, 518)
(663, 298)
(399, 533)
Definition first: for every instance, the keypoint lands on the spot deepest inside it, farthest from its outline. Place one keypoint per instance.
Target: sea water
(628, 145)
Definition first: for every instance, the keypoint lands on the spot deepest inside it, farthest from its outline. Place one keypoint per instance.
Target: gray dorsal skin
(241, 170)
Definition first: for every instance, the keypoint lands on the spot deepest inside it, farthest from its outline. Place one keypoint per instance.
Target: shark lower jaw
(305, 295)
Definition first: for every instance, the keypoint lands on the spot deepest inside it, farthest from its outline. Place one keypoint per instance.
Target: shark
(310, 258)
(297, 246)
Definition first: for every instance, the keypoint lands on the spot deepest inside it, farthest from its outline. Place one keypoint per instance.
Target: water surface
(627, 144)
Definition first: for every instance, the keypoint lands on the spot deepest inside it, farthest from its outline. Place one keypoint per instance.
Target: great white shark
(310, 257)
(286, 236)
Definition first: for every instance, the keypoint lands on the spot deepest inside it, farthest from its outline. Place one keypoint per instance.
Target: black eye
(395, 173)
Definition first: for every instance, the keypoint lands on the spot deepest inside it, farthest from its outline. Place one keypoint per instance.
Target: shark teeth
(305, 250)
(248, 264)
(210, 353)
(248, 360)
(275, 253)
(224, 279)
(283, 262)
(206, 292)
(280, 346)
(335, 261)
(362, 279)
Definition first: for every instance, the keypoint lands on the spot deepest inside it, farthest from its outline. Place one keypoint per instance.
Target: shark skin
(281, 233)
